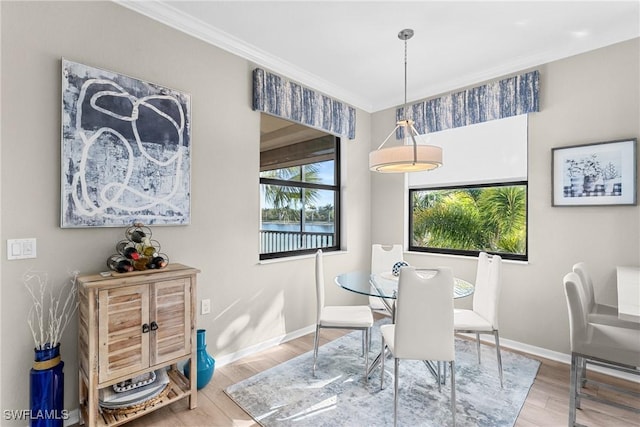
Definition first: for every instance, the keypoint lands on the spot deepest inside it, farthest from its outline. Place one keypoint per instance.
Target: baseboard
(552, 355)
(505, 343)
(74, 417)
(249, 351)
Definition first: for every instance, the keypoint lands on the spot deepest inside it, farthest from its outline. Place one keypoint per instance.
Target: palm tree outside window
(300, 194)
(466, 220)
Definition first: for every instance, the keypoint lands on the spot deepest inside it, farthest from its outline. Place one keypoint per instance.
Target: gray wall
(251, 302)
(586, 98)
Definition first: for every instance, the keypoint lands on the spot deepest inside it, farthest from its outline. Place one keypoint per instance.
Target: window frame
(335, 187)
(469, 253)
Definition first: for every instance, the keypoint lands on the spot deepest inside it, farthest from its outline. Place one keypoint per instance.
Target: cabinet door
(123, 347)
(171, 310)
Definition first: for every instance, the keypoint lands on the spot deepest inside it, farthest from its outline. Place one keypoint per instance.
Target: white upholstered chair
(599, 313)
(483, 317)
(423, 329)
(383, 257)
(339, 317)
(601, 345)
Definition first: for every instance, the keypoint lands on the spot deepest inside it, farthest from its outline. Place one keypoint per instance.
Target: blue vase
(205, 364)
(46, 388)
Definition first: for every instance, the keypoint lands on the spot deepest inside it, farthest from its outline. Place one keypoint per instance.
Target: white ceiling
(350, 49)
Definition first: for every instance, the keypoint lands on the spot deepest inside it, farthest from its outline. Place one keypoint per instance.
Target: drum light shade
(409, 157)
(401, 159)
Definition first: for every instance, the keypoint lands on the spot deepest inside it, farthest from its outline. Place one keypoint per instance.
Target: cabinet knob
(154, 326)
(145, 328)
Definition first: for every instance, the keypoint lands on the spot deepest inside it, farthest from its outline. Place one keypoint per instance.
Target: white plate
(108, 398)
(133, 383)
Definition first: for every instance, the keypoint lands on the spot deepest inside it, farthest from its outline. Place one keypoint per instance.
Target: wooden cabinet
(130, 324)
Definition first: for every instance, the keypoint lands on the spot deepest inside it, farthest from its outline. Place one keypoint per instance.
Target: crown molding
(517, 65)
(166, 14)
(174, 18)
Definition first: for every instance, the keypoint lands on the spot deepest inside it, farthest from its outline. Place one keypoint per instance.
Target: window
(465, 220)
(477, 201)
(299, 195)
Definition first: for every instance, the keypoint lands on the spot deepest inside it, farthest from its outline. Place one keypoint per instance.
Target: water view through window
(299, 203)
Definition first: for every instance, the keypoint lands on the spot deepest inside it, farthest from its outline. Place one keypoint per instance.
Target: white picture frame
(601, 173)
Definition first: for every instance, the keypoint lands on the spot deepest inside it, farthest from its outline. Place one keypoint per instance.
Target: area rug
(289, 395)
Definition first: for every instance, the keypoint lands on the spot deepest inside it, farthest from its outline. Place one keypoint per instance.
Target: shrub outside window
(299, 203)
(466, 220)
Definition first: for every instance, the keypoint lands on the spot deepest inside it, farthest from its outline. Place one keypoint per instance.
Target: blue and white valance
(281, 97)
(496, 100)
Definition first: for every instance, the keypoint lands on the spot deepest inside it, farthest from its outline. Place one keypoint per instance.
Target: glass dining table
(385, 286)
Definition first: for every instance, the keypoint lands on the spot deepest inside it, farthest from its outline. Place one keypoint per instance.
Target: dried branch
(47, 318)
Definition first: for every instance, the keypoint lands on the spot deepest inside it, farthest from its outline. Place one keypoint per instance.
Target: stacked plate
(135, 382)
(134, 391)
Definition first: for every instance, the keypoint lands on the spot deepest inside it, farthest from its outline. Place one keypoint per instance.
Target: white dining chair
(600, 345)
(340, 317)
(383, 258)
(423, 329)
(599, 313)
(483, 317)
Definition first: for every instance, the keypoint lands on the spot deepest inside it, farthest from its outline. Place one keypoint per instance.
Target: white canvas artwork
(601, 173)
(125, 150)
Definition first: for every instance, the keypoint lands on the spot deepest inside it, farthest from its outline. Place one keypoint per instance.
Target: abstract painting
(126, 150)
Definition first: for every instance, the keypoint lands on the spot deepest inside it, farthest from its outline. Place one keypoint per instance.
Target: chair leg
(453, 391)
(581, 368)
(495, 334)
(583, 372)
(382, 365)
(439, 377)
(315, 348)
(478, 345)
(395, 391)
(366, 354)
(444, 373)
(573, 389)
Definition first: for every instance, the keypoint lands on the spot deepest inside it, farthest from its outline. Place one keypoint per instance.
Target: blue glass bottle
(46, 388)
(205, 364)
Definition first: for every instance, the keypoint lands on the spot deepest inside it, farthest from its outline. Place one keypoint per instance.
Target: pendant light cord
(406, 35)
(404, 158)
(405, 79)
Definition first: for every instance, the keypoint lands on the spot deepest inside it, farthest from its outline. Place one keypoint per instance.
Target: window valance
(278, 96)
(496, 100)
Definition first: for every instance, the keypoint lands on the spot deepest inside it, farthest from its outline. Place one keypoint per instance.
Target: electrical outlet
(205, 306)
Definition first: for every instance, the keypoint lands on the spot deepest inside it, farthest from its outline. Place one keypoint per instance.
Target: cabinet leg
(92, 406)
(82, 398)
(193, 382)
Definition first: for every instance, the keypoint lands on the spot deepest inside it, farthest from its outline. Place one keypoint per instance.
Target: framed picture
(126, 150)
(602, 173)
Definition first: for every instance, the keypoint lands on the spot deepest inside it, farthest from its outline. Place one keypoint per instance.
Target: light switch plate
(21, 248)
(205, 306)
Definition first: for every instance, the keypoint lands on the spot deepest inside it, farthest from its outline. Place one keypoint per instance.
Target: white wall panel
(485, 152)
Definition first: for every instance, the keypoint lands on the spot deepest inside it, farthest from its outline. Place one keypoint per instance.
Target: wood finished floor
(546, 405)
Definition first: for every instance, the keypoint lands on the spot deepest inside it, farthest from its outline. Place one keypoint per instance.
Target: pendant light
(409, 157)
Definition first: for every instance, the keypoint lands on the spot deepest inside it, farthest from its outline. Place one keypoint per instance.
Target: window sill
(299, 257)
(431, 254)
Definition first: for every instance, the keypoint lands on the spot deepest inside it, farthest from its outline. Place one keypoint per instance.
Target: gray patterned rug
(288, 395)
